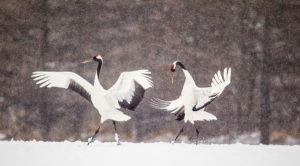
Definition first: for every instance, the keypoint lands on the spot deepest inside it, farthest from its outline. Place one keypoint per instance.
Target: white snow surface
(19, 153)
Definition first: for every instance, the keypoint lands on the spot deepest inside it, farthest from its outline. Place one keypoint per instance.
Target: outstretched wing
(175, 106)
(130, 88)
(206, 95)
(66, 80)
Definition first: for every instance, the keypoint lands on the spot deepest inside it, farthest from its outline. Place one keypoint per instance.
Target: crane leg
(179, 133)
(93, 137)
(197, 132)
(116, 134)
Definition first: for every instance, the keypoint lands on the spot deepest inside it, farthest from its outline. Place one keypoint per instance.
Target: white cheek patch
(99, 57)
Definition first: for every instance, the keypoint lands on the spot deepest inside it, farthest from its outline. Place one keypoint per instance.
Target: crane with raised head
(127, 92)
(191, 103)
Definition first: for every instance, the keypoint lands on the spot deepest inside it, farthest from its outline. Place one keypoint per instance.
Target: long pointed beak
(87, 61)
(172, 80)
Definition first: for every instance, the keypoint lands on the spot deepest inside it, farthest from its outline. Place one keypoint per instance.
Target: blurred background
(258, 39)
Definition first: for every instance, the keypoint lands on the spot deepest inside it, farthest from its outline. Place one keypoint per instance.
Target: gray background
(258, 39)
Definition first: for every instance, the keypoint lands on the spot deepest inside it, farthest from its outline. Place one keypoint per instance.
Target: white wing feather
(206, 95)
(124, 87)
(60, 80)
(174, 105)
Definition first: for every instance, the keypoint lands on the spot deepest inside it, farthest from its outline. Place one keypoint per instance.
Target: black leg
(116, 134)
(179, 133)
(93, 137)
(197, 132)
(115, 125)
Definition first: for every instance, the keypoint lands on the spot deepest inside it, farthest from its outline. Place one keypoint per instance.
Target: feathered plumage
(200, 97)
(127, 92)
(191, 103)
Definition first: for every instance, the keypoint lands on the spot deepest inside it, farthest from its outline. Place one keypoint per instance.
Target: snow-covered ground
(18, 153)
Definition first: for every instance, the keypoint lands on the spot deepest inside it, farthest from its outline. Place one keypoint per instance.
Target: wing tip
(219, 80)
(158, 103)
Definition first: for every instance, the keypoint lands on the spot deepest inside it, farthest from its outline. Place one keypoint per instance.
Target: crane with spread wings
(127, 92)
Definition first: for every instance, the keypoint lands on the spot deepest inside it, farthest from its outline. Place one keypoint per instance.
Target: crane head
(97, 57)
(173, 69)
(173, 66)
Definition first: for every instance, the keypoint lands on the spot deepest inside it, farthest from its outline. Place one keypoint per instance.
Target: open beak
(87, 61)
(172, 80)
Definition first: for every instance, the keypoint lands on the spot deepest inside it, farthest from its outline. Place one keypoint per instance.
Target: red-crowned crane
(127, 92)
(191, 103)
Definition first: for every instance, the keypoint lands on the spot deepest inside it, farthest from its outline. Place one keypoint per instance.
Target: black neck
(181, 65)
(99, 68)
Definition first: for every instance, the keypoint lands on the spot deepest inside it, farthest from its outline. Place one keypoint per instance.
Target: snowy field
(78, 153)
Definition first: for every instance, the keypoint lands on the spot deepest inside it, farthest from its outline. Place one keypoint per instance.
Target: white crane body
(190, 105)
(127, 92)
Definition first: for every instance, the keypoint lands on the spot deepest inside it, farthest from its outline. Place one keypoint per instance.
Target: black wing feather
(197, 109)
(136, 98)
(80, 90)
(180, 114)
